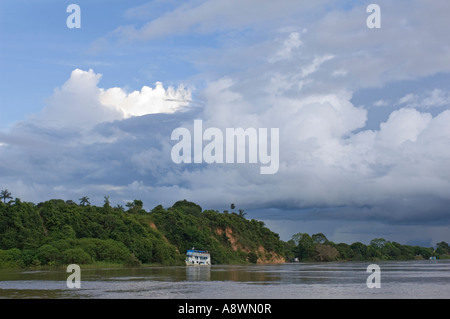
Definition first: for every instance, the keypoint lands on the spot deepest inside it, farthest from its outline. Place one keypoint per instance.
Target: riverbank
(109, 265)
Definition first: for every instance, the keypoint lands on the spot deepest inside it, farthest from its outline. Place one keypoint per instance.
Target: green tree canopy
(4, 194)
(84, 201)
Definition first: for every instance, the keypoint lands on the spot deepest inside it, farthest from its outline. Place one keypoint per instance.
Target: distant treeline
(303, 247)
(58, 232)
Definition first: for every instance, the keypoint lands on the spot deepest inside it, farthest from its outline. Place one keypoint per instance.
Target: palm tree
(84, 201)
(242, 213)
(135, 205)
(5, 195)
(107, 203)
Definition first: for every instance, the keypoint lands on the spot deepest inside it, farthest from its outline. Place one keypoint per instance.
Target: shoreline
(106, 265)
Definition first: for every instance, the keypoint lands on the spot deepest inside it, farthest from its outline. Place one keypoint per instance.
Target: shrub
(47, 254)
(11, 258)
(76, 256)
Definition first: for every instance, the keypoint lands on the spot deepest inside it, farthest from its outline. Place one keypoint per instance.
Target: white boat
(197, 257)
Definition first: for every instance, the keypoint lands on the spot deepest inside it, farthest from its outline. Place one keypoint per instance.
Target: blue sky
(363, 113)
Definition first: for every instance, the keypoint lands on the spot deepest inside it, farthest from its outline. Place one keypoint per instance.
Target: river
(425, 279)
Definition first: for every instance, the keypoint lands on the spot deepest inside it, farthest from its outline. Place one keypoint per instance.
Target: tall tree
(84, 201)
(443, 248)
(319, 238)
(4, 194)
(106, 202)
(135, 206)
(305, 246)
(326, 252)
(378, 243)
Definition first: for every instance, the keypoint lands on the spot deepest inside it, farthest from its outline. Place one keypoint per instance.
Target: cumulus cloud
(403, 125)
(147, 101)
(329, 164)
(77, 103)
(86, 134)
(80, 102)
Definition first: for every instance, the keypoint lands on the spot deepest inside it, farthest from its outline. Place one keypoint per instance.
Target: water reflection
(198, 273)
(247, 273)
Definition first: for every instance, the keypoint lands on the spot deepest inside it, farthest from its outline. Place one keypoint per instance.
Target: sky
(363, 113)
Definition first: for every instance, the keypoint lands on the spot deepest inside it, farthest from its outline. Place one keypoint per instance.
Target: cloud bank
(398, 173)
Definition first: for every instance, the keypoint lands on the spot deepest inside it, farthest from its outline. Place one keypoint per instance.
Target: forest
(318, 248)
(58, 232)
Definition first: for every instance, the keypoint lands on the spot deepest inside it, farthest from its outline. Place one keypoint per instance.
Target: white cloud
(206, 17)
(340, 72)
(381, 103)
(76, 103)
(434, 98)
(410, 43)
(80, 102)
(289, 44)
(408, 98)
(362, 57)
(146, 101)
(326, 160)
(403, 125)
(311, 68)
